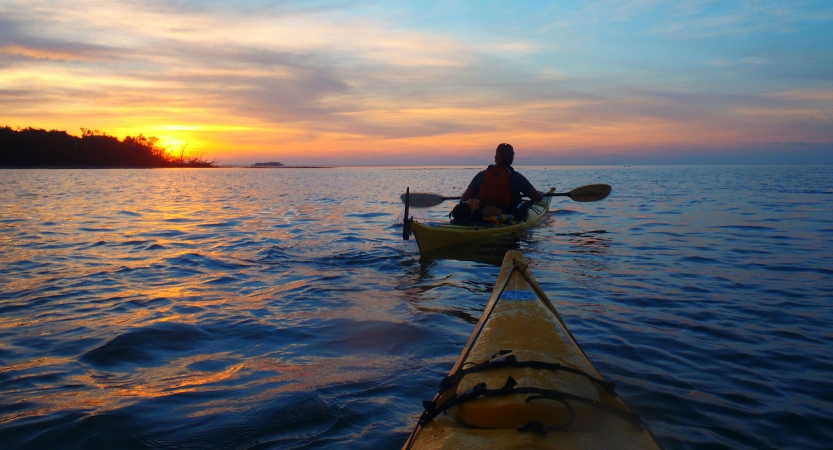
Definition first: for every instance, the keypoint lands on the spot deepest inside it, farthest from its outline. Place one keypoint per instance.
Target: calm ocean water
(242, 308)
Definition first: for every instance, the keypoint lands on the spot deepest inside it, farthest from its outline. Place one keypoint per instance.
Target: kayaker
(500, 186)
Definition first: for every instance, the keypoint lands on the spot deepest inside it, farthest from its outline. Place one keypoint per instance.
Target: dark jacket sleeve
(477, 181)
(522, 185)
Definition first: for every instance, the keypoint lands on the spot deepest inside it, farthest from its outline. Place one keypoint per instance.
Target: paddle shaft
(554, 194)
(589, 193)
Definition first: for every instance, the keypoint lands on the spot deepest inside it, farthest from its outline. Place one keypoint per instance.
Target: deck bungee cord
(481, 390)
(512, 361)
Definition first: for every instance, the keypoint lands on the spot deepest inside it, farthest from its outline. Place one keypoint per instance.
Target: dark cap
(505, 148)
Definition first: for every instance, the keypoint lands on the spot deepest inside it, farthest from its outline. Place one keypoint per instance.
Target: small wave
(162, 233)
(655, 224)
(111, 380)
(45, 245)
(146, 345)
(749, 251)
(201, 261)
(262, 333)
(37, 302)
(668, 233)
(24, 264)
(129, 213)
(350, 240)
(272, 254)
(133, 242)
(346, 336)
(283, 225)
(748, 227)
(793, 336)
(582, 233)
(418, 289)
(460, 313)
(695, 290)
(699, 260)
(228, 223)
(354, 258)
(368, 215)
(787, 268)
(223, 280)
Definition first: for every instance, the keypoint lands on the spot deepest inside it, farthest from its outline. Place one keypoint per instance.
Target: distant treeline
(32, 147)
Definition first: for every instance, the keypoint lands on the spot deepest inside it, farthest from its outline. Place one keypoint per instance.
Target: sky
(430, 83)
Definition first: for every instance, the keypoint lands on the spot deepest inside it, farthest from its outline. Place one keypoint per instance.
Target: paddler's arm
(522, 184)
(474, 188)
(535, 195)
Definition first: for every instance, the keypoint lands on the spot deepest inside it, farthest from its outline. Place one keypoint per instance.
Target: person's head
(504, 155)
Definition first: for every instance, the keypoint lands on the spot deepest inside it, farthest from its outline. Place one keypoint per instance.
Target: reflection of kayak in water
(523, 382)
(487, 251)
(432, 236)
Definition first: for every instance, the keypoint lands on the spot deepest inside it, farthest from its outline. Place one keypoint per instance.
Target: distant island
(33, 147)
(266, 165)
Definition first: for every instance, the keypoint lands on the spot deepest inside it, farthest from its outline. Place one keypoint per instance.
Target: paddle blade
(589, 193)
(424, 200)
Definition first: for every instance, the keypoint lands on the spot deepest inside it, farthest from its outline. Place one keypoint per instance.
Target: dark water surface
(236, 308)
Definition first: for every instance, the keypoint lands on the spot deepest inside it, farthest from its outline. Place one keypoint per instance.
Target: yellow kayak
(431, 236)
(522, 381)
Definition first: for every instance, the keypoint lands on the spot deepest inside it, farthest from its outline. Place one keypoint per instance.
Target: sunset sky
(430, 83)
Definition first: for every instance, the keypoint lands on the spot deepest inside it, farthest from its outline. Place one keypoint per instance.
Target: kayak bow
(522, 381)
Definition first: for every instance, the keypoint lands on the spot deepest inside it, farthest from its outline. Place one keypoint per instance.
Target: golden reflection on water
(105, 391)
(165, 381)
(52, 361)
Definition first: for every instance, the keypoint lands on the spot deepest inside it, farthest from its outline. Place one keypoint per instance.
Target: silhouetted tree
(32, 147)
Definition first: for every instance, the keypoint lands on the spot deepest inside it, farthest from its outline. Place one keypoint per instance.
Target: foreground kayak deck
(431, 236)
(522, 381)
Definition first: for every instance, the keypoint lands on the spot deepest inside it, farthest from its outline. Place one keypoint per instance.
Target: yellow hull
(433, 236)
(558, 398)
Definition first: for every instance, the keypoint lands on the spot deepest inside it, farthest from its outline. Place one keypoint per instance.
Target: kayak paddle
(589, 193)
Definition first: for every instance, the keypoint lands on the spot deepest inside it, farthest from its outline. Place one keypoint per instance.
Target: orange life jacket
(495, 189)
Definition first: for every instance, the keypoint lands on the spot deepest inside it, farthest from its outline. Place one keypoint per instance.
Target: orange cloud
(41, 53)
